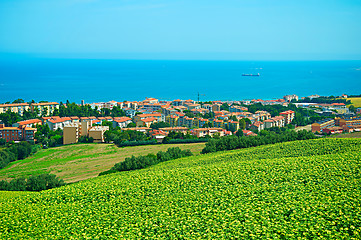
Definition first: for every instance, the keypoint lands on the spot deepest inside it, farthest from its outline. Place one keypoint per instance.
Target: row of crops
(305, 189)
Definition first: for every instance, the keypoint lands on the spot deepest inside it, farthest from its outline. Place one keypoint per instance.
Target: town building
(325, 123)
(202, 132)
(289, 98)
(18, 108)
(288, 115)
(45, 108)
(73, 131)
(121, 122)
(21, 133)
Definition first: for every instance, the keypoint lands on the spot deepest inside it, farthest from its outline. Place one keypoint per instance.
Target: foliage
(33, 183)
(119, 136)
(137, 143)
(140, 162)
(266, 137)
(196, 140)
(16, 151)
(48, 137)
(177, 135)
(327, 100)
(85, 139)
(9, 118)
(158, 125)
(296, 190)
(225, 107)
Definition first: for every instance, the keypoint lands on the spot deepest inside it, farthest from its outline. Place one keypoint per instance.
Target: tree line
(15, 151)
(33, 183)
(265, 137)
(140, 162)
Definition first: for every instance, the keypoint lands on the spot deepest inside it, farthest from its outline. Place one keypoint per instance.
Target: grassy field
(82, 161)
(295, 190)
(347, 135)
(355, 101)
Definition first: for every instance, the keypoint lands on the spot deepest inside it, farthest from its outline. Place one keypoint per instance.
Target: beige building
(202, 132)
(18, 108)
(48, 107)
(73, 131)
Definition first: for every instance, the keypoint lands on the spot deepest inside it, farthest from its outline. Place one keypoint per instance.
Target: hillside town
(200, 119)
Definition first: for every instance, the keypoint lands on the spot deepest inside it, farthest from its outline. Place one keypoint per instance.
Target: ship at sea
(250, 75)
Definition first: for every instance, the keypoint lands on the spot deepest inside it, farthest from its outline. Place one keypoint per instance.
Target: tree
(352, 108)
(242, 124)
(225, 107)
(19, 100)
(131, 125)
(158, 125)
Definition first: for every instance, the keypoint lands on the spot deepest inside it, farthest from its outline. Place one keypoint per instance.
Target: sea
(100, 80)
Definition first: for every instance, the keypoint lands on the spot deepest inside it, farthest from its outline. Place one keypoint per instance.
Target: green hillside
(82, 161)
(304, 189)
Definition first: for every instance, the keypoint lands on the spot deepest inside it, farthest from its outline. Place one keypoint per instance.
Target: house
(146, 122)
(158, 116)
(172, 120)
(259, 126)
(121, 122)
(158, 135)
(193, 106)
(139, 129)
(28, 123)
(202, 132)
(218, 123)
(248, 133)
(167, 130)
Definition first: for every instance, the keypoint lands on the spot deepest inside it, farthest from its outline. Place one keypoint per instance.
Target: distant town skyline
(204, 30)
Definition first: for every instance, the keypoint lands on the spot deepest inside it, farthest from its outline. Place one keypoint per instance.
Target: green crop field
(296, 190)
(82, 161)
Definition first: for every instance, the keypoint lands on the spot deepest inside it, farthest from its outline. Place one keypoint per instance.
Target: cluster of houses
(337, 125)
(145, 113)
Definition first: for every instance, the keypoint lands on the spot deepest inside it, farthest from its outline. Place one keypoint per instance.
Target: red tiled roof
(150, 119)
(30, 121)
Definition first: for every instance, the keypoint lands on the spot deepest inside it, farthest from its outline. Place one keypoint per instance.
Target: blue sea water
(105, 80)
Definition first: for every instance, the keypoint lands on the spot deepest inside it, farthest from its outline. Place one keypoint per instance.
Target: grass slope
(355, 101)
(307, 189)
(82, 161)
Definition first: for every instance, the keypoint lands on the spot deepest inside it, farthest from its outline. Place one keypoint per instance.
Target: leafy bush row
(265, 137)
(33, 183)
(137, 143)
(140, 162)
(196, 140)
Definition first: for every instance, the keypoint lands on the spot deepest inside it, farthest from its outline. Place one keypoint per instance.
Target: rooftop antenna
(200, 95)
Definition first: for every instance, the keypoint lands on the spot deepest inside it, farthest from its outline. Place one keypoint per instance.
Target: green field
(355, 101)
(82, 161)
(296, 190)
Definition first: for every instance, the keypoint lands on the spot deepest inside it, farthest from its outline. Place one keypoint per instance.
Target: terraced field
(295, 190)
(82, 161)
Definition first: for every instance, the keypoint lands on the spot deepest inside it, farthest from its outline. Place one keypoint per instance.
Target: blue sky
(182, 29)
